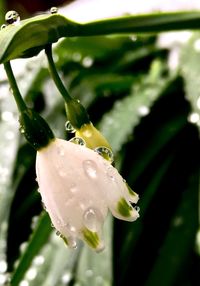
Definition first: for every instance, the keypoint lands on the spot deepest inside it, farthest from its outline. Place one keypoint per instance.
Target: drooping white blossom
(78, 187)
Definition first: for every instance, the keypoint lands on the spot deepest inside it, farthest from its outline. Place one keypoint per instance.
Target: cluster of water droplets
(103, 151)
(11, 17)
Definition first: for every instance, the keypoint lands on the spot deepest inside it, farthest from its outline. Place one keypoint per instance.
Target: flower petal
(77, 187)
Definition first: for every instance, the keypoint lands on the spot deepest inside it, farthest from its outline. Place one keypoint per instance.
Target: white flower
(78, 187)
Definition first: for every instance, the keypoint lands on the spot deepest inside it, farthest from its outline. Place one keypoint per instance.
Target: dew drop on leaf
(3, 26)
(78, 141)
(105, 152)
(12, 17)
(54, 10)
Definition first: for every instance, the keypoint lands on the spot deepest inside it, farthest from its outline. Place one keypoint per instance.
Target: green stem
(13, 84)
(55, 76)
(76, 113)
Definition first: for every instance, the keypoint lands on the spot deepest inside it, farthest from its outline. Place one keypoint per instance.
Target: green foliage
(30, 36)
(137, 103)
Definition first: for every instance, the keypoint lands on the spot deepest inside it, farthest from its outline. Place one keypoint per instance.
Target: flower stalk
(76, 113)
(32, 125)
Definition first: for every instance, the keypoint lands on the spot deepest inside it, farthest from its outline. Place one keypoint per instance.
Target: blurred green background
(149, 114)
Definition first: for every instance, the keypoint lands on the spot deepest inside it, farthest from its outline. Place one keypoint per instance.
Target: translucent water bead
(69, 128)
(78, 141)
(3, 26)
(92, 219)
(12, 17)
(54, 10)
(105, 152)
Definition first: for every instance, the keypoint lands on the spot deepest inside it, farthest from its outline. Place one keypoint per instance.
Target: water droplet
(60, 151)
(73, 188)
(71, 228)
(71, 242)
(31, 274)
(24, 283)
(111, 173)
(133, 38)
(22, 130)
(143, 110)
(89, 273)
(62, 173)
(66, 278)
(194, 117)
(12, 17)
(54, 10)
(78, 141)
(137, 208)
(76, 57)
(69, 127)
(90, 168)
(3, 266)
(92, 219)
(3, 26)
(38, 260)
(87, 62)
(105, 152)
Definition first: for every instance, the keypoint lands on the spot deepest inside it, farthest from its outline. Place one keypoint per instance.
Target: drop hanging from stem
(76, 113)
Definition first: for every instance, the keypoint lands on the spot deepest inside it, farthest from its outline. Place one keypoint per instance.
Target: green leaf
(190, 70)
(30, 36)
(37, 240)
(118, 124)
(8, 149)
(179, 240)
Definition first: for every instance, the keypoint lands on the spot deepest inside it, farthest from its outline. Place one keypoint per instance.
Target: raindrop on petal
(60, 151)
(71, 241)
(71, 228)
(54, 10)
(92, 219)
(78, 141)
(62, 173)
(73, 188)
(111, 173)
(12, 17)
(105, 152)
(90, 168)
(69, 128)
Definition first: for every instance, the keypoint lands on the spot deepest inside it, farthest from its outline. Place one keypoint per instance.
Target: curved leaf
(38, 239)
(29, 37)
